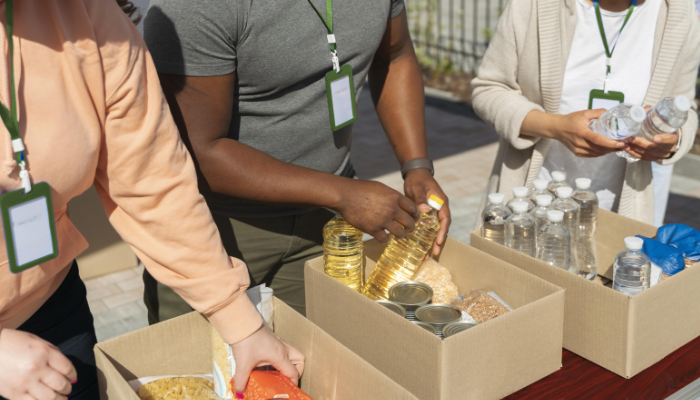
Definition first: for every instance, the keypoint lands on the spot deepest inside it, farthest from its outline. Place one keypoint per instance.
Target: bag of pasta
(177, 388)
(480, 305)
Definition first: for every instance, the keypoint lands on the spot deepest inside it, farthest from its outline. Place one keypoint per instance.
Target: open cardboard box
(489, 361)
(623, 334)
(182, 346)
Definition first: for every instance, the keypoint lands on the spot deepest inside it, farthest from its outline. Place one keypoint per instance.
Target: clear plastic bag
(480, 305)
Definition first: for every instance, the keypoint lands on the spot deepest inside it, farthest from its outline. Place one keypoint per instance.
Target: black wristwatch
(415, 164)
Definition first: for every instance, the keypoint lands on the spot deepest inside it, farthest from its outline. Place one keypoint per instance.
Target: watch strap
(415, 164)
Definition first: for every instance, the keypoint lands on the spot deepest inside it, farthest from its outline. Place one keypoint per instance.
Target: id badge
(29, 226)
(599, 99)
(340, 90)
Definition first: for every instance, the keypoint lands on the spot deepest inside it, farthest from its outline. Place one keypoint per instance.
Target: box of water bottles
(477, 360)
(618, 313)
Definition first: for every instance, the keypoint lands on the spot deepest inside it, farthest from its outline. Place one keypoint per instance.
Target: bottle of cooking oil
(402, 257)
(342, 252)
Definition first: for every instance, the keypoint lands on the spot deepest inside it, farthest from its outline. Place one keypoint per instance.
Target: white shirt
(585, 70)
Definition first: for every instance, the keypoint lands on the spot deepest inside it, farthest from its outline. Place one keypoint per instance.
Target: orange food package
(267, 385)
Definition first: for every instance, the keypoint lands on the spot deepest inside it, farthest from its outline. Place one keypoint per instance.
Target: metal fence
(452, 35)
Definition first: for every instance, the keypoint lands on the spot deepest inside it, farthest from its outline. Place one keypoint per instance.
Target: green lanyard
(608, 51)
(328, 22)
(9, 117)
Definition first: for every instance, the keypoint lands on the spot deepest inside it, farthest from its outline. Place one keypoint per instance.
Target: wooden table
(581, 379)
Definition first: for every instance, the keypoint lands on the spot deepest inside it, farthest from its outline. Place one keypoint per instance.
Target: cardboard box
(489, 361)
(182, 346)
(622, 334)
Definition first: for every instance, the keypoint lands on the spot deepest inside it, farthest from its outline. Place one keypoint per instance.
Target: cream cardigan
(523, 70)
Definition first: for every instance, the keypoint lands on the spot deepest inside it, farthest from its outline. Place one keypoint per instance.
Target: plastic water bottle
(667, 116)
(540, 187)
(539, 213)
(619, 123)
(342, 252)
(558, 180)
(520, 230)
(632, 268)
(493, 219)
(554, 241)
(587, 199)
(402, 257)
(571, 210)
(585, 258)
(520, 193)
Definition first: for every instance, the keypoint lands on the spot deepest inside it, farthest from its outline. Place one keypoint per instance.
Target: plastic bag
(667, 257)
(685, 238)
(199, 387)
(480, 305)
(439, 279)
(266, 385)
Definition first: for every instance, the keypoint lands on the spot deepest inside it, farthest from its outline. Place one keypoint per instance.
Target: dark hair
(130, 9)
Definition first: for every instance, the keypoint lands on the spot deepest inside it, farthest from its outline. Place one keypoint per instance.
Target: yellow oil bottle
(342, 252)
(402, 257)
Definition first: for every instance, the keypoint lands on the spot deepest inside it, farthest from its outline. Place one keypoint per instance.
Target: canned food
(456, 327)
(395, 307)
(426, 326)
(438, 315)
(411, 295)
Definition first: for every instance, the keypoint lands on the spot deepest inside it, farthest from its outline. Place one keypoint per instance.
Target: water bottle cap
(564, 192)
(544, 200)
(681, 103)
(540, 184)
(558, 176)
(519, 206)
(634, 243)
(637, 114)
(583, 183)
(435, 202)
(555, 215)
(520, 191)
(496, 198)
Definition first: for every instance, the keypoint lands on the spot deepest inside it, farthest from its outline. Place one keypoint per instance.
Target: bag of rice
(439, 279)
(266, 385)
(176, 388)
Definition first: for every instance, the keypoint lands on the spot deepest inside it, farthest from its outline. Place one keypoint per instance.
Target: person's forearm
(540, 124)
(260, 177)
(396, 85)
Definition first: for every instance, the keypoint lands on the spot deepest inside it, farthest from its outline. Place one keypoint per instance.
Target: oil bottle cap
(544, 200)
(634, 243)
(637, 114)
(681, 103)
(564, 192)
(583, 183)
(519, 206)
(558, 176)
(520, 191)
(555, 215)
(496, 198)
(435, 202)
(540, 184)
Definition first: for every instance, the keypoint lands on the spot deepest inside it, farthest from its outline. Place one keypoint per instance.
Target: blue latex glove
(685, 238)
(669, 258)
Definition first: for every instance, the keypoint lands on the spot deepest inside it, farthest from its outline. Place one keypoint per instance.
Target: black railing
(452, 35)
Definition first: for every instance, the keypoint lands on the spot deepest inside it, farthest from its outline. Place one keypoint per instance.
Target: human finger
(56, 381)
(42, 392)
(243, 370)
(396, 229)
(62, 365)
(666, 138)
(603, 142)
(286, 368)
(296, 357)
(410, 207)
(445, 218)
(405, 220)
(380, 236)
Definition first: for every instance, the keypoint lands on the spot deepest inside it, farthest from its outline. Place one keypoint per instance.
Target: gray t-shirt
(280, 53)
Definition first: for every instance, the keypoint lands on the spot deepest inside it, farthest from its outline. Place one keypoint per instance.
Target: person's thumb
(240, 379)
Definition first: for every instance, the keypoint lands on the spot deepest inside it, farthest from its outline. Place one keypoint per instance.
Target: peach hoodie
(91, 111)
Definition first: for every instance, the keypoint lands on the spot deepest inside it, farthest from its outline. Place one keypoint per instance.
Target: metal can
(438, 315)
(395, 307)
(426, 326)
(411, 295)
(456, 327)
